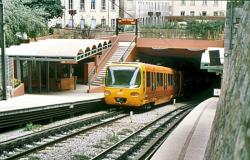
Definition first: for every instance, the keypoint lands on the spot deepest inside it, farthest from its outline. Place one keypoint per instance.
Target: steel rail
(57, 133)
(24, 116)
(181, 111)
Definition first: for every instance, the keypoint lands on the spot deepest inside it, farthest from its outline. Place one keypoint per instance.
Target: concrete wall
(230, 138)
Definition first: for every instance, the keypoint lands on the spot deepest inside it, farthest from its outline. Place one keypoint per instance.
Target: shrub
(17, 82)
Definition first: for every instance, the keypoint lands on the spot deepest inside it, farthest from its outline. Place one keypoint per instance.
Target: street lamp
(2, 51)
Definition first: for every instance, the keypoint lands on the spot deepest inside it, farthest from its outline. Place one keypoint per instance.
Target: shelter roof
(58, 49)
(213, 59)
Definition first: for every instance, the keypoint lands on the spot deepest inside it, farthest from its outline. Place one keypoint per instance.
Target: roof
(207, 57)
(192, 45)
(58, 49)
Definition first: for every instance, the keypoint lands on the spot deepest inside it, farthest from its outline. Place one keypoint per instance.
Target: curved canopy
(56, 49)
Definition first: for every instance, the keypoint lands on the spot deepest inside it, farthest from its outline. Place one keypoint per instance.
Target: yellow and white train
(135, 84)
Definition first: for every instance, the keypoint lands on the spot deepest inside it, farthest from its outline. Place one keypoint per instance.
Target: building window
(70, 4)
(103, 5)
(113, 5)
(222, 14)
(182, 13)
(192, 2)
(191, 13)
(204, 13)
(204, 3)
(216, 3)
(103, 22)
(92, 4)
(113, 23)
(71, 23)
(82, 23)
(82, 5)
(93, 23)
(183, 3)
(215, 13)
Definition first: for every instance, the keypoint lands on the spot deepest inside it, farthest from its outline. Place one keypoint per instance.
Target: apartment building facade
(147, 11)
(198, 8)
(103, 13)
(92, 13)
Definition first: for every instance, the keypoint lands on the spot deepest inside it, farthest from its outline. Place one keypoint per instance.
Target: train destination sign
(127, 21)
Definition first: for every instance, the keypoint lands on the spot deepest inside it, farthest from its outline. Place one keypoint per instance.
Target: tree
(22, 19)
(52, 7)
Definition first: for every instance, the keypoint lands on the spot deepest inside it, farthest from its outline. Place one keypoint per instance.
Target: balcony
(158, 14)
(150, 14)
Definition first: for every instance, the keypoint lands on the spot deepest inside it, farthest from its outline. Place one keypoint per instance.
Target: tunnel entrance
(195, 80)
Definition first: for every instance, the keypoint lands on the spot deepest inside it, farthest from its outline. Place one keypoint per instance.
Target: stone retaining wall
(230, 137)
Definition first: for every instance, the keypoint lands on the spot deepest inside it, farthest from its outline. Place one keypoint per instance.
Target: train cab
(134, 84)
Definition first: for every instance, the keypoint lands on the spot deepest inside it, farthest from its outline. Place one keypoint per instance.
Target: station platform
(189, 139)
(30, 102)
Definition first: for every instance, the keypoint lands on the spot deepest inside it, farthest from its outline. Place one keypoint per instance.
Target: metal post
(72, 21)
(108, 16)
(2, 52)
(89, 83)
(136, 27)
(116, 30)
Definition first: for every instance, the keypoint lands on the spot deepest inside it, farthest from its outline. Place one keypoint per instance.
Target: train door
(154, 84)
(149, 85)
(144, 82)
(159, 81)
(165, 83)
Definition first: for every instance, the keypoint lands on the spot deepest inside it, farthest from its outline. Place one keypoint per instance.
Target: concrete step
(115, 58)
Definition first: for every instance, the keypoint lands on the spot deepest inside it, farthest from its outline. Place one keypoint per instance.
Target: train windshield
(123, 76)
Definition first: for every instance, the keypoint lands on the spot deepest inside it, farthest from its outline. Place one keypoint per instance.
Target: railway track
(142, 143)
(24, 145)
(23, 116)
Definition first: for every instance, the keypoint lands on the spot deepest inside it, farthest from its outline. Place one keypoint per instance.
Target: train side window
(152, 80)
(159, 79)
(148, 79)
(169, 80)
(172, 79)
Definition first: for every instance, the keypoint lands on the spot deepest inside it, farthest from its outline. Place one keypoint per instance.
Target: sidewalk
(28, 101)
(189, 140)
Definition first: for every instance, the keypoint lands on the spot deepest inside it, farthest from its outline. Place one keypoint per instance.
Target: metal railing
(179, 34)
(93, 71)
(124, 56)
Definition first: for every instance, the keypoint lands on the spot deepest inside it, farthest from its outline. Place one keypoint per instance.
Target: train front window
(123, 76)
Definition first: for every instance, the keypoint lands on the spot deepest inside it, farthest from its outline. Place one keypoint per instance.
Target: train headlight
(134, 94)
(107, 93)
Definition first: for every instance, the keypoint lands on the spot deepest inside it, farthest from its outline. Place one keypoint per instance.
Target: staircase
(123, 46)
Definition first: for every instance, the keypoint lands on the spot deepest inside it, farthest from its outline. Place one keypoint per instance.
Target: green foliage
(17, 82)
(203, 29)
(52, 7)
(20, 18)
(166, 25)
(30, 126)
(237, 2)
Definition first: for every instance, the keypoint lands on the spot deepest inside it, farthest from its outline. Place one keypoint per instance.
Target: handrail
(126, 51)
(94, 70)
